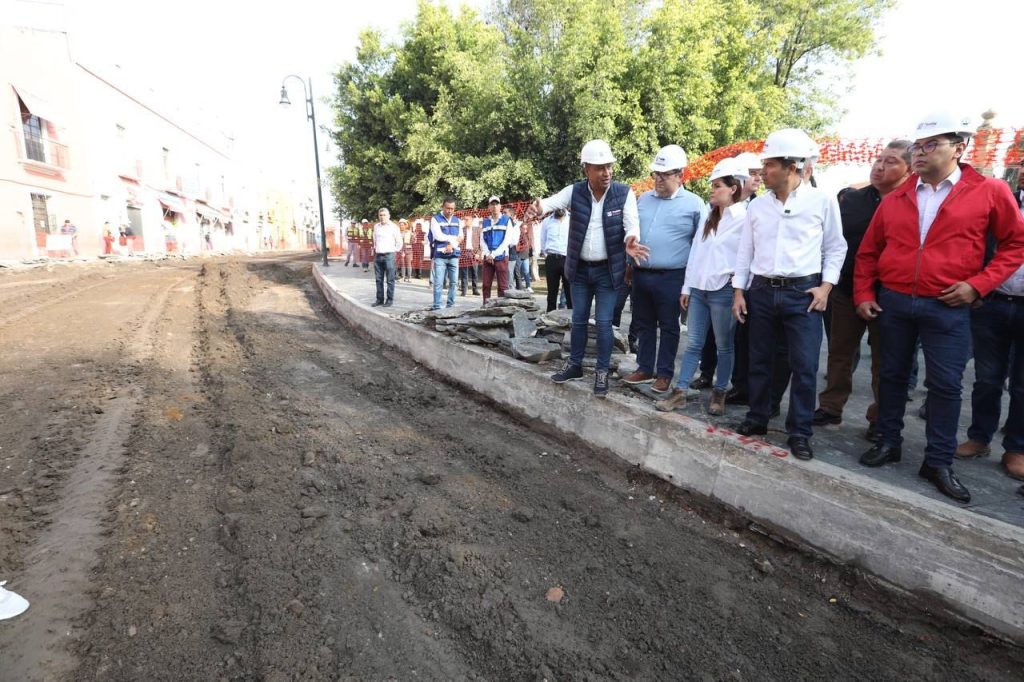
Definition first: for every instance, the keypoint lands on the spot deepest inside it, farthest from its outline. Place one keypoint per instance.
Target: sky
(229, 57)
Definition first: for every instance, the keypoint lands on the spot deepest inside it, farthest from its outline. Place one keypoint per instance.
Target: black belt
(658, 271)
(1006, 297)
(595, 262)
(556, 255)
(787, 281)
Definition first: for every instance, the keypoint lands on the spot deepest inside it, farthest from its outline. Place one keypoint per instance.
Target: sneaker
(674, 401)
(638, 377)
(601, 383)
(823, 418)
(568, 372)
(662, 384)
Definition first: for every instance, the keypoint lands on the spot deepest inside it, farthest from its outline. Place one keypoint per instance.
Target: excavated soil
(205, 475)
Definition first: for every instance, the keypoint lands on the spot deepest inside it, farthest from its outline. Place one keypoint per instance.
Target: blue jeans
(384, 264)
(656, 307)
(442, 267)
(944, 333)
(712, 308)
(779, 315)
(592, 283)
(998, 331)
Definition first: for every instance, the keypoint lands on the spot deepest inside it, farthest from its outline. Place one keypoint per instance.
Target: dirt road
(205, 475)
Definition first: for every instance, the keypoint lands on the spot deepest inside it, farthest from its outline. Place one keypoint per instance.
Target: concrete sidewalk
(886, 521)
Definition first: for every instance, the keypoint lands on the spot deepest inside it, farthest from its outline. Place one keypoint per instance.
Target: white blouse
(712, 261)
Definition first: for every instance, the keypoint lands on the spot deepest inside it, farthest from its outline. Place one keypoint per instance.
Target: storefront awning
(172, 203)
(36, 104)
(210, 213)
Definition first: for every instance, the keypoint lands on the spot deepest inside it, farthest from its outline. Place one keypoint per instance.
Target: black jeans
(554, 272)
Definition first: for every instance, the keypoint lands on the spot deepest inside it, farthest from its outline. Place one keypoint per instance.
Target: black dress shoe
(735, 397)
(825, 418)
(872, 433)
(800, 447)
(700, 383)
(946, 481)
(880, 454)
(388, 304)
(376, 303)
(751, 428)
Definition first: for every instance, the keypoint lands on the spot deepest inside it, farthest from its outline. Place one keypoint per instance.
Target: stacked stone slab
(514, 323)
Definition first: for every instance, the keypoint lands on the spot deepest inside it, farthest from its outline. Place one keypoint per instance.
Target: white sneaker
(11, 603)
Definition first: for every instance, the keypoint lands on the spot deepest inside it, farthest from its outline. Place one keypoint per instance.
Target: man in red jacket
(919, 269)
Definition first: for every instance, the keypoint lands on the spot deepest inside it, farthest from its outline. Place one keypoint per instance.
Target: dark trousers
(592, 284)
(778, 314)
(945, 338)
(843, 350)
(468, 273)
(491, 271)
(998, 331)
(741, 366)
(554, 272)
(384, 266)
(656, 312)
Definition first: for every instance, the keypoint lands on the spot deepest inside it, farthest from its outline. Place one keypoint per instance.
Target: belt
(786, 281)
(556, 255)
(594, 262)
(658, 271)
(1006, 297)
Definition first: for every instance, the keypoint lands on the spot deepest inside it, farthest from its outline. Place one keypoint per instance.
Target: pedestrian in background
(387, 243)
(497, 232)
(405, 255)
(554, 240)
(445, 231)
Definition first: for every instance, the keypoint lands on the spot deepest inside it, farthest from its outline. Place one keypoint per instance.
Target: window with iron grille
(40, 215)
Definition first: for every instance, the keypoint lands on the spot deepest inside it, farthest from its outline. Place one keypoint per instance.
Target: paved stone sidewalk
(993, 493)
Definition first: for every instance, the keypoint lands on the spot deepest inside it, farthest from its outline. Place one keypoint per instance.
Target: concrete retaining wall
(972, 563)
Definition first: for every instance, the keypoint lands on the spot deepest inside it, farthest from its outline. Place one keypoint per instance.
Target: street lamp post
(311, 116)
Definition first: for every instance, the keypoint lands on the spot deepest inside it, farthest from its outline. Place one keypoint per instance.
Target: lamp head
(285, 102)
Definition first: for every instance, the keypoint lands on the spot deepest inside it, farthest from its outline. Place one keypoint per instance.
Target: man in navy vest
(445, 233)
(604, 228)
(669, 217)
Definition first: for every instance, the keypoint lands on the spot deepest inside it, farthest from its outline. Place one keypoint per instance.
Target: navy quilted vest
(614, 232)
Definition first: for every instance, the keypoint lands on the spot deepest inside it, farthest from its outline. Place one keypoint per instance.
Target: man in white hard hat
(750, 161)
(918, 271)
(604, 228)
(790, 255)
(669, 217)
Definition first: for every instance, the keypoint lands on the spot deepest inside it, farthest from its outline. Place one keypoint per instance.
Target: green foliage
(473, 106)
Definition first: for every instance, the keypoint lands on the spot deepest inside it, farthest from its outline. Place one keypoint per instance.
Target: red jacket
(954, 248)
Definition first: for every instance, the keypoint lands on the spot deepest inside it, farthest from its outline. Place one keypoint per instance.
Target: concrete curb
(973, 564)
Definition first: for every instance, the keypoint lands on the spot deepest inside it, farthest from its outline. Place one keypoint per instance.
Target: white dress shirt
(594, 248)
(713, 260)
(929, 200)
(1014, 286)
(387, 238)
(554, 235)
(800, 237)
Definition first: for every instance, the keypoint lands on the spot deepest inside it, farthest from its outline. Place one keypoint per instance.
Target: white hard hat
(943, 123)
(747, 160)
(596, 152)
(732, 167)
(670, 157)
(789, 143)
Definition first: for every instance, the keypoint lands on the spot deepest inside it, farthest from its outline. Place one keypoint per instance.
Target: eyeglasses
(665, 174)
(929, 146)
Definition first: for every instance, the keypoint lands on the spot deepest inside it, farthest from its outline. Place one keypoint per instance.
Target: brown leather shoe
(677, 399)
(717, 405)
(1013, 465)
(638, 377)
(661, 384)
(972, 449)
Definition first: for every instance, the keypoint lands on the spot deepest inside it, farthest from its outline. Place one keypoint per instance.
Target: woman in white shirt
(707, 292)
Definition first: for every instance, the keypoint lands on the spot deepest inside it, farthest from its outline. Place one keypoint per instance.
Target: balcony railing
(40, 150)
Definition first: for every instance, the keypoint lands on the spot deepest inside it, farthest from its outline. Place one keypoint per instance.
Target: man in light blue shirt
(669, 217)
(554, 240)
